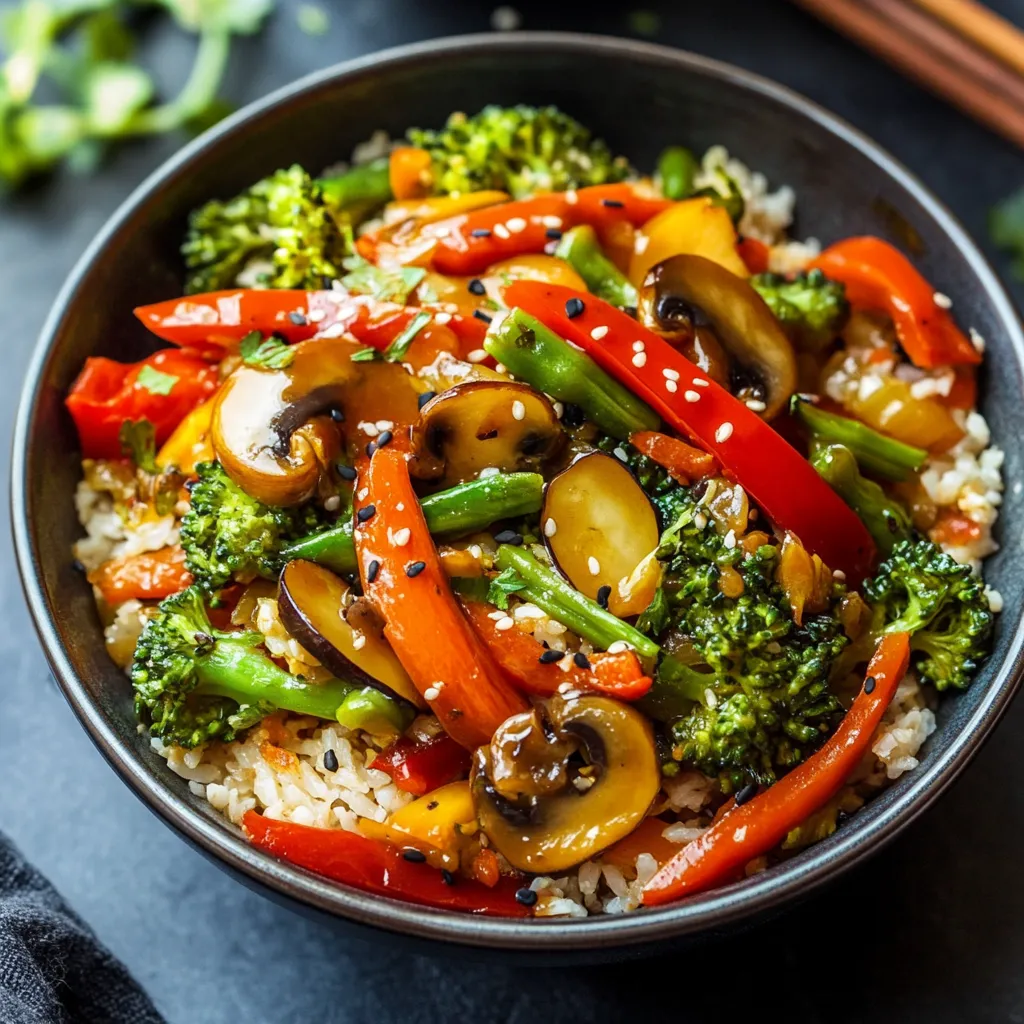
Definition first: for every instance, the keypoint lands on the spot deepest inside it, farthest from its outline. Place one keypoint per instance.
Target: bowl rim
(226, 845)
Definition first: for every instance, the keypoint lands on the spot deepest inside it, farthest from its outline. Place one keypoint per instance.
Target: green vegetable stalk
(462, 509)
(582, 251)
(549, 591)
(537, 355)
(677, 167)
(875, 453)
(359, 191)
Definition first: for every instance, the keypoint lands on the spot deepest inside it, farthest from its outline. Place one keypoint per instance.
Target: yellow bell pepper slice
(190, 443)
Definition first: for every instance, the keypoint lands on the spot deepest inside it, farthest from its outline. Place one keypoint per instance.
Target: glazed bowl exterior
(639, 97)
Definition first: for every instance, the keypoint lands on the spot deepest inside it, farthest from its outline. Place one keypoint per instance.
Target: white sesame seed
(700, 382)
(488, 471)
(549, 220)
(400, 507)
(619, 646)
(724, 432)
(333, 503)
(515, 225)
(507, 622)
(755, 405)
(640, 244)
(571, 198)
(431, 693)
(620, 454)
(499, 614)
(700, 520)
(500, 368)
(369, 428)
(501, 231)
(671, 386)
(640, 359)
(359, 641)
(838, 574)
(976, 339)
(710, 698)
(638, 346)
(518, 410)
(550, 528)
(385, 425)
(691, 396)
(442, 318)
(599, 332)
(478, 355)
(729, 540)
(670, 373)
(402, 536)
(901, 304)
(594, 566)
(942, 301)
(559, 409)
(363, 494)
(475, 550)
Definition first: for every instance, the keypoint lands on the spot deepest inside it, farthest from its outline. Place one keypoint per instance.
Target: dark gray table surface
(931, 929)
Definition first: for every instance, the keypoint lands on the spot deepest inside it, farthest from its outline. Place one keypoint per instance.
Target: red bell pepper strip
(683, 462)
(774, 473)
(878, 276)
(446, 661)
(754, 254)
(420, 767)
(518, 655)
(106, 393)
(754, 828)
(379, 868)
(148, 576)
(601, 205)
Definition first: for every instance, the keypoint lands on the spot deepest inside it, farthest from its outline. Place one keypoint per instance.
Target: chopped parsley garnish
(508, 582)
(155, 381)
(271, 352)
(138, 439)
(397, 349)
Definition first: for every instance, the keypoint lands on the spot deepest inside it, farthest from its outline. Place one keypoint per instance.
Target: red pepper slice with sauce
(379, 867)
(751, 829)
(878, 276)
(107, 393)
(774, 473)
(421, 767)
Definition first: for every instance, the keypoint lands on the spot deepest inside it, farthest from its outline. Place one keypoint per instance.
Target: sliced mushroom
(346, 636)
(273, 430)
(561, 782)
(599, 527)
(685, 291)
(481, 425)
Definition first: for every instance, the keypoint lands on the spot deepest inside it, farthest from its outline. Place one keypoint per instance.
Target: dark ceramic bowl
(639, 97)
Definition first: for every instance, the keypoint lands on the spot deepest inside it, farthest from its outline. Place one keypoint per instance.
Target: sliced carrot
(409, 172)
(683, 462)
(145, 577)
(645, 838)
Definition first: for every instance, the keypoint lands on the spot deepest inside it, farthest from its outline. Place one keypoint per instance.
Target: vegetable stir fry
(505, 531)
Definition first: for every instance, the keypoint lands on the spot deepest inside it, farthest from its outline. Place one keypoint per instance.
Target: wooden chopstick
(874, 28)
(982, 26)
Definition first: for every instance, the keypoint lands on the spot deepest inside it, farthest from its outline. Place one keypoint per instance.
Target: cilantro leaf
(271, 352)
(363, 278)
(508, 582)
(397, 349)
(156, 382)
(138, 439)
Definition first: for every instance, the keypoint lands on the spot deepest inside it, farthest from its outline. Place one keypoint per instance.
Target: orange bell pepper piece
(147, 576)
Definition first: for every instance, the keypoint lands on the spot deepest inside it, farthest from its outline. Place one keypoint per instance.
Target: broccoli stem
(677, 167)
(546, 589)
(535, 354)
(582, 251)
(234, 669)
(459, 510)
(874, 452)
(886, 520)
(364, 188)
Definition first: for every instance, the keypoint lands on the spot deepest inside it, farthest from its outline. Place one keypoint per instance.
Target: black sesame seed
(550, 657)
(432, 806)
(573, 416)
(370, 449)
(346, 472)
(447, 877)
(480, 233)
(573, 308)
(603, 593)
(526, 896)
(748, 792)
(371, 570)
(616, 203)
(553, 233)
(330, 760)
(869, 684)
(337, 415)
(78, 566)
(298, 318)
(414, 569)
(424, 398)
(509, 537)
(383, 437)
(414, 856)
(366, 512)
(580, 660)
(476, 286)
(481, 315)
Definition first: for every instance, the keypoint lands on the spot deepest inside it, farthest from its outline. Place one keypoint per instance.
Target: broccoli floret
(194, 683)
(226, 534)
(921, 590)
(760, 681)
(811, 308)
(518, 150)
(279, 232)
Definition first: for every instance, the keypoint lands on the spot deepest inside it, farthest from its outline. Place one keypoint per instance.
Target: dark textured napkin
(53, 970)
